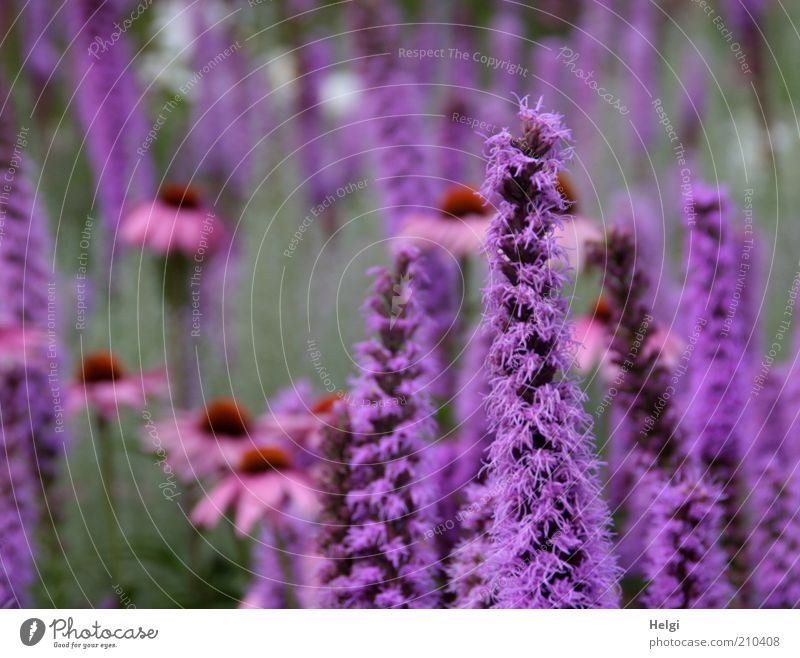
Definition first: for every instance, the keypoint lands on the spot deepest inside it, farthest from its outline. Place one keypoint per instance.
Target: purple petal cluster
(685, 565)
(378, 556)
(28, 305)
(393, 105)
(18, 507)
(109, 106)
(470, 570)
(551, 530)
(719, 371)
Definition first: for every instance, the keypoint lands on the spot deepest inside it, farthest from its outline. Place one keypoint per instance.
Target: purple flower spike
(685, 564)
(109, 106)
(26, 307)
(18, 506)
(379, 506)
(551, 530)
(719, 371)
(394, 108)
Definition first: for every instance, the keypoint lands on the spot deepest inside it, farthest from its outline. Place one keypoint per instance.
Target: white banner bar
(397, 633)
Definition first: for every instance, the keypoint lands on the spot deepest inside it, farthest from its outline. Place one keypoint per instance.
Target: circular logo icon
(31, 631)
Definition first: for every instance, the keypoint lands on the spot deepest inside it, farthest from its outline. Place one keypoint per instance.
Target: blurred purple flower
(110, 106)
(685, 564)
(718, 377)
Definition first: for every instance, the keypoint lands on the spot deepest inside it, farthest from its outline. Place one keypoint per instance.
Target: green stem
(105, 451)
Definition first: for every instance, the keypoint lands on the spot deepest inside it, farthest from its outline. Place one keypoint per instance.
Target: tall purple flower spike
(224, 117)
(551, 529)
(41, 29)
(27, 304)
(109, 105)
(685, 564)
(377, 550)
(719, 370)
(18, 509)
(643, 376)
(774, 480)
(393, 107)
(642, 60)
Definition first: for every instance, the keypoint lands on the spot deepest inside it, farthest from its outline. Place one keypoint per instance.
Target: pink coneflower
(459, 226)
(202, 443)
(177, 221)
(106, 386)
(216, 438)
(265, 482)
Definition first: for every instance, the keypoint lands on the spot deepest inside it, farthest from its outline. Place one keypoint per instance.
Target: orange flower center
(567, 191)
(325, 404)
(180, 196)
(227, 417)
(100, 366)
(264, 459)
(460, 201)
(602, 310)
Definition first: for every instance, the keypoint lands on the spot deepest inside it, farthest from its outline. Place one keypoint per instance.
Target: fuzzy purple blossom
(551, 529)
(394, 109)
(685, 564)
(719, 370)
(773, 475)
(776, 540)
(228, 102)
(28, 305)
(109, 106)
(644, 435)
(378, 554)
(18, 507)
(641, 60)
(649, 424)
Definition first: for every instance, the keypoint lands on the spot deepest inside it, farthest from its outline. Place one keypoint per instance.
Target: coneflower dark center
(325, 403)
(100, 367)
(567, 191)
(180, 196)
(226, 417)
(459, 201)
(264, 459)
(602, 310)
